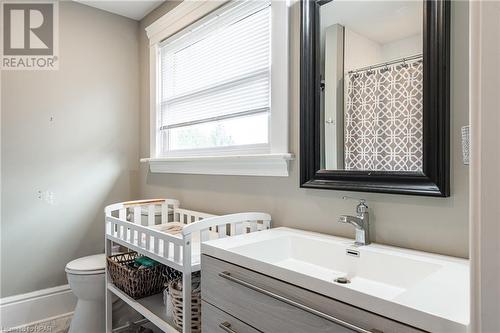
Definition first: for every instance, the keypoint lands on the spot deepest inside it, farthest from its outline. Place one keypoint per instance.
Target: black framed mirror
(374, 96)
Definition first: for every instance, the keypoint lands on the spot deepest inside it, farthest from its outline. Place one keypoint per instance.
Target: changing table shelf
(151, 307)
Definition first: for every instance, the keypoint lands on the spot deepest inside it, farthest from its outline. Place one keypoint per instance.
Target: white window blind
(215, 81)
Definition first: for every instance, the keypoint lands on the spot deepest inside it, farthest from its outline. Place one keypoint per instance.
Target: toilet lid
(94, 264)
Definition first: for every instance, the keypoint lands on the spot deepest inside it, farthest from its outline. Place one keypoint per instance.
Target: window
(215, 83)
(219, 87)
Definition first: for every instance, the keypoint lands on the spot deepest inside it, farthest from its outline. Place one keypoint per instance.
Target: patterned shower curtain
(383, 118)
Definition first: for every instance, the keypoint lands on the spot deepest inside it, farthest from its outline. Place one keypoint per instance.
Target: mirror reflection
(372, 80)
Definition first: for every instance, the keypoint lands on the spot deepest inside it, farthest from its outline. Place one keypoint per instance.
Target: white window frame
(271, 159)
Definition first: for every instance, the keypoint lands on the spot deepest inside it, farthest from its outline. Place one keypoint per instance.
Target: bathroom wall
(402, 48)
(87, 155)
(431, 224)
(360, 51)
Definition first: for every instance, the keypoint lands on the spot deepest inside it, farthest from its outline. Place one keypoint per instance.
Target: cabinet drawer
(274, 306)
(214, 320)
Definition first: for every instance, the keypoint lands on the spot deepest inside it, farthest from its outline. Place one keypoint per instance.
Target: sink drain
(342, 280)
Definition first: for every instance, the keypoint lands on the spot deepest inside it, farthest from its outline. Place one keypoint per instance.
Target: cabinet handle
(228, 276)
(226, 327)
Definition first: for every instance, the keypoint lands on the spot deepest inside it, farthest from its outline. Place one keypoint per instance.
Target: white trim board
(20, 310)
(235, 165)
(178, 18)
(484, 193)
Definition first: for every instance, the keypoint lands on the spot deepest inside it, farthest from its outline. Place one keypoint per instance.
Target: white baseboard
(36, 306)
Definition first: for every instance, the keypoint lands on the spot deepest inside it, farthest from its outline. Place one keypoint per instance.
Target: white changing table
(124, 226)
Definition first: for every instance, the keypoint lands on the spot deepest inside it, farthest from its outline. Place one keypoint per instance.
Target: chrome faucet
(360, 222)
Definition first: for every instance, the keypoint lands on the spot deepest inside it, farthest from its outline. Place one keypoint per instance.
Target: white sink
(426, 290)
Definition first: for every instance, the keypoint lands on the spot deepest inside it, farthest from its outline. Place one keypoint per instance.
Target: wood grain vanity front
(218, 321)
(274, 306)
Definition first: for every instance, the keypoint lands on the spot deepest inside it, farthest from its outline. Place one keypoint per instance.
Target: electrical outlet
(47, 197)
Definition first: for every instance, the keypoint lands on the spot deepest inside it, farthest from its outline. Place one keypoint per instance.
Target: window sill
(235, 165)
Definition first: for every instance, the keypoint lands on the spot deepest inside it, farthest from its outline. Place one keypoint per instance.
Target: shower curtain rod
(383, 64)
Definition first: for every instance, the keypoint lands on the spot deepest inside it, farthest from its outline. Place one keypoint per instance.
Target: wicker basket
(138, 283)
(175, 297)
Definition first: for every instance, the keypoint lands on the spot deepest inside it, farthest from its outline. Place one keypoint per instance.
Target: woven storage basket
(175, 297)
(138, 283)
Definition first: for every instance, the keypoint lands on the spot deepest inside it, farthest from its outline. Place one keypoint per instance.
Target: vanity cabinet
(218, 321)
(236, 299)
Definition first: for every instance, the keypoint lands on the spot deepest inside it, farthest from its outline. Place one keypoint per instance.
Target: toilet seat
(90, 265)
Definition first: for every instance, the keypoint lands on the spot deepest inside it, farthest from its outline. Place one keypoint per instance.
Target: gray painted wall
(430, 224)
(88, 155)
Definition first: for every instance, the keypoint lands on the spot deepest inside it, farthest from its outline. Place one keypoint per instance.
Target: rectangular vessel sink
(416, 286)
(374, 272)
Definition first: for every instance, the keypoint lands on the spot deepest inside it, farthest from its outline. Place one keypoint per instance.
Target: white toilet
(86, 279)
